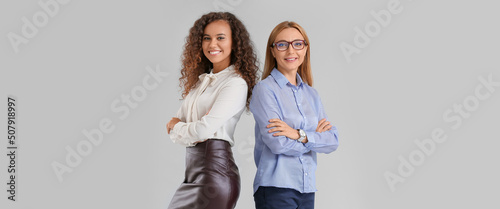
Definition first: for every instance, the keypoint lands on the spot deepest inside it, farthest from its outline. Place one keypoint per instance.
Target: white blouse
(211, 109)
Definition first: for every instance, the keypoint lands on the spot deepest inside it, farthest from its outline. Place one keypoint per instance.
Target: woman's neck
(290, 75)
(218, 68)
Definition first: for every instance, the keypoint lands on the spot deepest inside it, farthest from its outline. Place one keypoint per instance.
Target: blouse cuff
(176, 136)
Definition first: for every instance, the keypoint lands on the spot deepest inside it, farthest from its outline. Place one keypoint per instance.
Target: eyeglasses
(283, 45)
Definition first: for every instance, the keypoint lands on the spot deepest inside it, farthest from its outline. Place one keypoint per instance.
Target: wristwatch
(302, 135)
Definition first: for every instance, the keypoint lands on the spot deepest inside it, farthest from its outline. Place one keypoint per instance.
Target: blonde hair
(270, 63)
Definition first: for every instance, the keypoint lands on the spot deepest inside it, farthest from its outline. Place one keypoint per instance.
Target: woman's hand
(323, 126)
(171, 124)
(282, 129)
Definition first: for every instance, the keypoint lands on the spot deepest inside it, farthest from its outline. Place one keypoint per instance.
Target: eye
(281, 44)
(220, 38)
(206, 38)
(298, 43)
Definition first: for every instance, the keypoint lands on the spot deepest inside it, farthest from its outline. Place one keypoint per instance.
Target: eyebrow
(220, 34)
(291, 41)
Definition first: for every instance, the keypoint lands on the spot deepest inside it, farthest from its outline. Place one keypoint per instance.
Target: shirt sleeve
(175, 138)
(230, 101)
(325, 142)
(180, 113)
(264, 106)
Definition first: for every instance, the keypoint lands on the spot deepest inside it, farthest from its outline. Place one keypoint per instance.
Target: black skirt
(212, 179)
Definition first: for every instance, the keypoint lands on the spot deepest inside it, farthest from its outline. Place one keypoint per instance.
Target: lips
(291, 59)
(214, 52)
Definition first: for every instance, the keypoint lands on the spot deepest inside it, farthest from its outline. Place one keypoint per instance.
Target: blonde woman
(291, 125)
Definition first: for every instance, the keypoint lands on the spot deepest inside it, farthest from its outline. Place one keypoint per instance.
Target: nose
(213, 42)
(290, 49)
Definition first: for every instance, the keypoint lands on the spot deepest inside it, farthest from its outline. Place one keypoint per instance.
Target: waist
(212, 144)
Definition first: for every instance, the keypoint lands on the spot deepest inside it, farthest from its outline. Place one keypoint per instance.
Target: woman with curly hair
(218, 74)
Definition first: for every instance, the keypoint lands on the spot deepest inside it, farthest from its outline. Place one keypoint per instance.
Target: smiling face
(288, 61)
(217, 44)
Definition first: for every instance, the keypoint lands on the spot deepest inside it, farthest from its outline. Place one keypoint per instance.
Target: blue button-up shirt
(281, 161)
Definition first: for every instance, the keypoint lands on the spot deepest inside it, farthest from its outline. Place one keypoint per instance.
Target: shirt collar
(282, 80)
(230, 68)
(221, 73)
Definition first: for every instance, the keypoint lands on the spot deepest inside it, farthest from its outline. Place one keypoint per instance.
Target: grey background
(395, 91)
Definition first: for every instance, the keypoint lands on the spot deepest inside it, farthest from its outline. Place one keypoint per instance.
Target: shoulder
(236, 79)
(266, 85)
(233, 80)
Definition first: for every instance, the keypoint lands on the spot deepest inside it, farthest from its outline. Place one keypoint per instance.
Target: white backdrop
(412, 86)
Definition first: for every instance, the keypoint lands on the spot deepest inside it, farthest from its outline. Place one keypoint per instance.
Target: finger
(327, 128)
(324, 124)
(279, 134)
(319, 128)
(275, 124)
(274, 120)
(275, 130)
(320, 123)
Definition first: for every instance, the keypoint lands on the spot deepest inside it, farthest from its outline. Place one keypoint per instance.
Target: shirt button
(306, 174)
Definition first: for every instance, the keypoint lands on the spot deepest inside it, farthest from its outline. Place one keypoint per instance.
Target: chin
(291, 68)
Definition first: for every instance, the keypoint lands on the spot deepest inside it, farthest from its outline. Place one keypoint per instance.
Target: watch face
(302, 133)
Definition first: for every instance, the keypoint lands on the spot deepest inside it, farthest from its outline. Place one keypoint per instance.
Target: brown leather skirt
(212, 179)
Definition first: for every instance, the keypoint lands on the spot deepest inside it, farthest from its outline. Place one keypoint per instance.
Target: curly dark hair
(243, 57)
